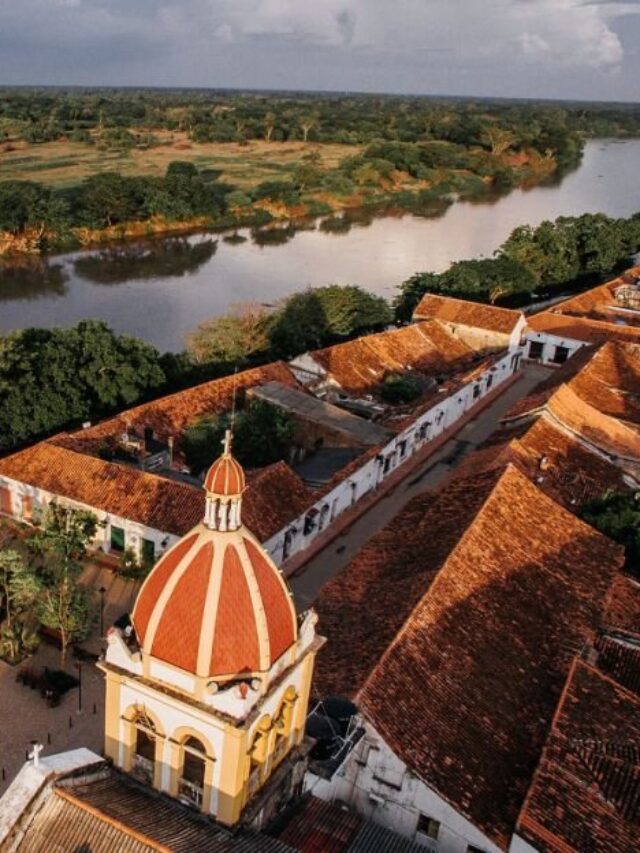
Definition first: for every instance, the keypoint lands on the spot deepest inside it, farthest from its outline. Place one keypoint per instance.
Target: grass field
(63, 164)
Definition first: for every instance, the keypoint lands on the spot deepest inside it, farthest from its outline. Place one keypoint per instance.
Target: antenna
(228, 435)
(233, 398)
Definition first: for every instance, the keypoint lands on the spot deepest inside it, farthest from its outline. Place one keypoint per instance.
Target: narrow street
(429, 475)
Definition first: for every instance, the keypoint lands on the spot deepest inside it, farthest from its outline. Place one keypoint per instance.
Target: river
(161, 288)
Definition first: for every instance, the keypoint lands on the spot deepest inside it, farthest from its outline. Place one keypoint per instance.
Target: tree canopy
(617, 515)
(263, 435)
(548, 256)
(52, 378)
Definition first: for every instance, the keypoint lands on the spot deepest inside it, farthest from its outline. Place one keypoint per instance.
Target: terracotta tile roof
(64, 823)
(618, 655)
(170, 415)
(128, 492)
(275, 494)
(610, 381)
(509, 592)
(559, 465)
(536, 399)
(585, 795)
(581, 328)
(623, 604)
(464, 313)
(359, 366)
(386, 580)
(558, 376)
(321, 827)
(589, 300)
(113, 799)
(606, 433)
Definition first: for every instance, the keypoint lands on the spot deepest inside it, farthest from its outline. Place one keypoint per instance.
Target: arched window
(282, 725)
(193, 763)
(144, 756)
(258, 755)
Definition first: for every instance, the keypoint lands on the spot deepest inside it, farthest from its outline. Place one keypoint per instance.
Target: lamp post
(79, 667)
(102, 591)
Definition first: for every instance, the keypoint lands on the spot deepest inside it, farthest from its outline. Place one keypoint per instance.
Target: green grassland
(63, 163)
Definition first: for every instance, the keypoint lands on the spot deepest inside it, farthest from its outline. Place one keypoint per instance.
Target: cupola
(215, 605)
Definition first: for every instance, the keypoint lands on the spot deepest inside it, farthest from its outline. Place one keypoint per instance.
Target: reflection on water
(31, 278)
(275, 235)
(163, 288)
(172, 257)
(234, 239)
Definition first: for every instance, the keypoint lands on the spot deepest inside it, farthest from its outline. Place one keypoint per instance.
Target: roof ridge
(119, 825)
(489, 306)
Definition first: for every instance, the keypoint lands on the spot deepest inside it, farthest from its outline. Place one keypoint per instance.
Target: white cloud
(418, 45)
(564, 32)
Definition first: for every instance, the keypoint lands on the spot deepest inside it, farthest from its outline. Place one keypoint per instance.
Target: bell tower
(207, 698)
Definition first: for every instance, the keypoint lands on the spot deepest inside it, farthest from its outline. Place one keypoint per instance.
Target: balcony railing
(142, 769)
(190, 792)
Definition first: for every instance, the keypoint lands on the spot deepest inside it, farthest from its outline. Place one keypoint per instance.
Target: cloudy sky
(530, 48)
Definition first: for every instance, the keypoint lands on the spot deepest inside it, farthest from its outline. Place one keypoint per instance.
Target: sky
(582, 49)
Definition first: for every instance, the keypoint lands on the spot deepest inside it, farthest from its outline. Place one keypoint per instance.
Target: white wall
(550, 342)
(442, 415)
(135, 532)
(379, 786)
(519, 845)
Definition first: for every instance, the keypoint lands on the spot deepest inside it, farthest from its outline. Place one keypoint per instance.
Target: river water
(162, 288)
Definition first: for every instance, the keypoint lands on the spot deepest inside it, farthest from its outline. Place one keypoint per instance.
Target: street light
(79, 667)
(102, 591)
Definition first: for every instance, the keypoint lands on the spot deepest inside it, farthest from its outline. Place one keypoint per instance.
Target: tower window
(191, 782)
(144, 757)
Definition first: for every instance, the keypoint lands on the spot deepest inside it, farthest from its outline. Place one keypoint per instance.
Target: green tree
(230, 338)
(398, 389)
(617, 515)
(262, 435)
(314, 318)
(64, 604)
(25, 204)
(50, 378)
(19, 588)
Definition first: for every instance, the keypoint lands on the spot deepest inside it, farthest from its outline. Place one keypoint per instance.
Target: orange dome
(225, 477)
(215, 605)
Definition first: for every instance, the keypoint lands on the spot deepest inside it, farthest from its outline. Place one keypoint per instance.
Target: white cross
(226, 441)
(35, 753)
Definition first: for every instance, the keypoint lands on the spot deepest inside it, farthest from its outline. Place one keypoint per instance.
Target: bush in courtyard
(397, 389)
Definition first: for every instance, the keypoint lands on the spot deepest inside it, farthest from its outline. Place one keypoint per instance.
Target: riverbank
(48, 220)
(160, 288)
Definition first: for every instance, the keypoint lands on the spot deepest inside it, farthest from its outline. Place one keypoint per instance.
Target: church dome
(225, 477)
(216, 605)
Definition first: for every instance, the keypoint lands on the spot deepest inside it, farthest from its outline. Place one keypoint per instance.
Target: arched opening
(282, 725)
(144, 753)
(192, 771)
(258, 755)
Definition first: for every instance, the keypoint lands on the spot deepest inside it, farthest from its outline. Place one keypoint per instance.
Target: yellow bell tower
(207, 694)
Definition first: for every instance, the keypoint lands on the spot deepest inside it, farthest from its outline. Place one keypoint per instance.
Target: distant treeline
(41, 115)
(548, 257)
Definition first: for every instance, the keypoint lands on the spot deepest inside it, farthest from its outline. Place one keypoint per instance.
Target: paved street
(307, 581)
